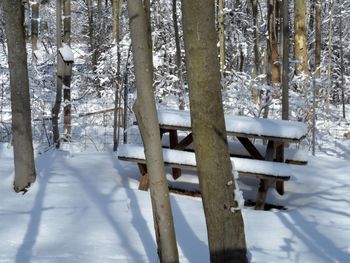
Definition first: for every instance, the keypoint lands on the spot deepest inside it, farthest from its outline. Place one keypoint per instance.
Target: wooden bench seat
(291, 155)
(267, 172)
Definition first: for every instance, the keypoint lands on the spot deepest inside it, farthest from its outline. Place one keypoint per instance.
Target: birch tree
(145, 111)
(224, 221)
(20, 99)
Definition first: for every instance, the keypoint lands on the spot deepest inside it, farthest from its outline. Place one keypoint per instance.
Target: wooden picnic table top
(240, 126)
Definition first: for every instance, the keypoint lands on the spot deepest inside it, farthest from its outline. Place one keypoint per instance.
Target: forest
(87, 88)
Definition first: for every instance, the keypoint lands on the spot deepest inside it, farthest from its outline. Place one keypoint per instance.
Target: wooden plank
(173, 143)
(262, 193)
(144, 183)
(264, 137)
(184, 142)
(270, 151)
(280, 158)
(250, 148)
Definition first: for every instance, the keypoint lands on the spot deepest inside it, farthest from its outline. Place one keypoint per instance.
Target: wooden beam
(250, 148)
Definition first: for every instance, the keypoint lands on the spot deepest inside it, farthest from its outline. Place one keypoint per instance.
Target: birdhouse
(65, 61)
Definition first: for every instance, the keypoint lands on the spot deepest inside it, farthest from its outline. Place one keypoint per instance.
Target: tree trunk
(178, 57)
(330, 51)
(116, 8)
(56, 108)
(222, 37)
(255, 91)
(146, 115)
(300, 37)
(273, 13)
(285, 59)
(67, 91)
(35, 29)
(342, 61)
(20, 99)
(318, 38)
(224, 221)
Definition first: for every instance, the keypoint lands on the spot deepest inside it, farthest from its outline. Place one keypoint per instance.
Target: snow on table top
(188, 158)
(240, 124)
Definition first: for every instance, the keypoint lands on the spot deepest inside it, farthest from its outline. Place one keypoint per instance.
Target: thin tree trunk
(116, 7)
(67, 91)
(116, 10)
(330, 50)
(285, 59)
(178, 57)
(255, 91)
(224, 221)
(20, 99)
(222, 37)
(317, 38)
(146, 115)
(342, 61)
(35, 29)
(300, 37)
(56, 108)
(273, 13)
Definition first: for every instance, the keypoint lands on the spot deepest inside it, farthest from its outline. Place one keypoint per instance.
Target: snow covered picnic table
(263, 162)
(241, 126)
(245, 129)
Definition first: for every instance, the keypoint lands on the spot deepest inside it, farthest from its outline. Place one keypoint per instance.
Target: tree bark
(273, 13)
(222, 37)
(317, 38)
(285, 59)
(146, 115)
(330, 51)
(116, 7)
(20, 98)
(67, 91)
(300, 37)
(178, 57)
(35, 29)
(224, 223)
(342, 70)
(57, 106)
(255, 91)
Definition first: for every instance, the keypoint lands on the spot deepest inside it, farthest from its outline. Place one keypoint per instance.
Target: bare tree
(146, 115)
(300, 37)
(57, 106)
(67, 79)
(285, 59)
(35, 29)
(20, 99)
(224, 221)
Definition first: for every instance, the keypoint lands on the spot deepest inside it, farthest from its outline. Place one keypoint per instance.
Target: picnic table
(267, 163)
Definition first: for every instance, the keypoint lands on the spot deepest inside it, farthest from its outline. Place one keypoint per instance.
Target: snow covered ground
(85, 207)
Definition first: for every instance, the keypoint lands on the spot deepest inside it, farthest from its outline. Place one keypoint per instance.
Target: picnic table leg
(173, 142)
(280, 158)
(262, 193)
(144, 177)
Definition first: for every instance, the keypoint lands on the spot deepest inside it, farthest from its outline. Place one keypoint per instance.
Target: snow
(240, 124)
(67, 53)
(85, 207)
